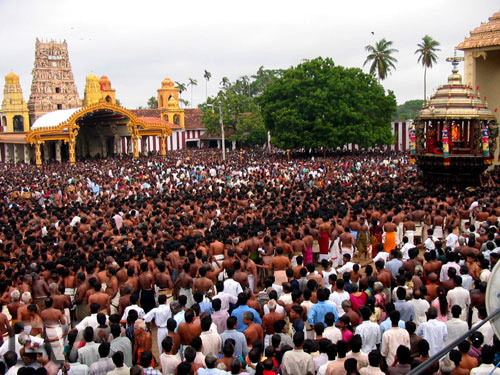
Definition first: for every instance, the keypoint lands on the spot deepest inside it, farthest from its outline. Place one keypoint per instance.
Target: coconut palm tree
(426, 51)
(224, 82)
(184, 102)
(381, 58)
(207, 75)
(182, 87)
(192, 83)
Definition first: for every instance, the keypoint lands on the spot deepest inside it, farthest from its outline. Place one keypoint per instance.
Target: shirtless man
(409, 228)
(188, 330)
(184, 285)
(390, 235)
(437, 225)
(216, 250)
(240, 275)
(40, 291)
(250, 268)
(15, 303)
(203, 284)
(299, 247)
(417, 217)
(112, 289)
(146, 284)
(432, 265)
(4, 326)
(254, 331)
(347, 242)
(162, 277)
(101, 298)
(53, 320)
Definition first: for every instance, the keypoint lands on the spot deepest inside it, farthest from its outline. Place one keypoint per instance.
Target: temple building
(57, 125)
(482, 63)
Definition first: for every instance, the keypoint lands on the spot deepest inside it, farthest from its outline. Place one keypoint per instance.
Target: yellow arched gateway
(101, 129)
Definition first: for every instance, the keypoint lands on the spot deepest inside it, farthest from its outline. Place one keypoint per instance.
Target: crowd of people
(263, 264)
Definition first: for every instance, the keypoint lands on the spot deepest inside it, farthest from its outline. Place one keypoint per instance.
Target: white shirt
(456, 327)
(346, 268)
(485, 369)
(140, 311)
(338, 298)
(232, 287)
(429, 244)
(420, 307)
(370, 335)
(382, 255)
(435, 332)
(467, 281)
(88, 321)
(160, 314)
(461, 297)
(452, 241)
(333, 334)
(405, 249)
(279, 309)
(226, 299)
(169, 363)
(487, 331)
(443, 276)
(13, 370)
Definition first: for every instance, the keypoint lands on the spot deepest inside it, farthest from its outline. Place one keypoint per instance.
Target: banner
(446, 146)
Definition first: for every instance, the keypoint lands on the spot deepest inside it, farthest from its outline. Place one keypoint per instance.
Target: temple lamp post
(221, 129)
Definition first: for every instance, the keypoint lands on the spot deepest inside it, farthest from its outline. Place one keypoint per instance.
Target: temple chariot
(453, 138)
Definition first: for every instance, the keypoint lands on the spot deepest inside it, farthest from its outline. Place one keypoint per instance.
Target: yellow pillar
(135, 140)
(38, 154)
(72, 156)
(163, 148)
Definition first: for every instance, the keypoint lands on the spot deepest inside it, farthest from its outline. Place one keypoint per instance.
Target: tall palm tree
(381, 58)
(224, 82)
(207, 75)
(192, 83)
(182, 87)
(427, 49)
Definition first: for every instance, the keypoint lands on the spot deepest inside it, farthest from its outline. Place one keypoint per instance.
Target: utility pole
(222, 132)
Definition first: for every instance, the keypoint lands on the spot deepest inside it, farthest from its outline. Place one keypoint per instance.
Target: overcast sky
(139, 43)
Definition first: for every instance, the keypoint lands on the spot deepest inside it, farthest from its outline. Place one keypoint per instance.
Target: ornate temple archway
(97, 121)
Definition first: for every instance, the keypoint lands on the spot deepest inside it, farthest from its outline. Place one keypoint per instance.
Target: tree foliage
(152, 102)
(408, 110)
(242, 116)
(426, 51)
(380, 56)
(318, 104)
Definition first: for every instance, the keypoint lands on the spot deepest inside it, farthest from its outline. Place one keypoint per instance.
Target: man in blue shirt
(318, 311)
(401, 305)
(242, 307)
(387, 324)
(395, 263)
(240, 341)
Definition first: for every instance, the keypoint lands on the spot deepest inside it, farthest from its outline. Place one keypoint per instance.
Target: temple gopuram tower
(14, 110)
(53, 86)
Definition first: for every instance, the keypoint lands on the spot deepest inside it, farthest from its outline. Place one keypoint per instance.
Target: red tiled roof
(192, 119)
(147, 112)
(486, 35)
(156, 120)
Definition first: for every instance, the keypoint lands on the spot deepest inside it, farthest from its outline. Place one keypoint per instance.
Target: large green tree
(242, 119)
(381, 59)
(426, 51)
(318, 104)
